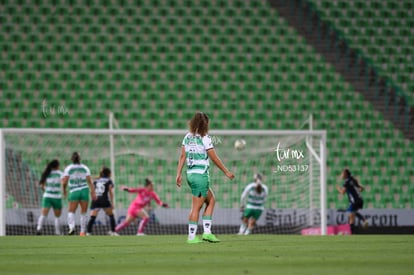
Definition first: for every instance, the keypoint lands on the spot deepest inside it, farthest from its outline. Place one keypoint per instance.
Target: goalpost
(293, 164)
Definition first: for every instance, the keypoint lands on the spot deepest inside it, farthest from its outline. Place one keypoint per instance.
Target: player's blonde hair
(199, 124)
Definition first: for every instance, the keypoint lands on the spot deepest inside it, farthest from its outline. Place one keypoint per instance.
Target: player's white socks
(57, 226)
(243, 227)
(40, 222)
(192, 230)
(248, 231)
(83, 221)
(207, 224)
(71, 220)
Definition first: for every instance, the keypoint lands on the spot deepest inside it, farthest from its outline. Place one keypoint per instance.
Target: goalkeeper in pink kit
(136, 208)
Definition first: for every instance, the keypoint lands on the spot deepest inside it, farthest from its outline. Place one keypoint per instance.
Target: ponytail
(54, 164)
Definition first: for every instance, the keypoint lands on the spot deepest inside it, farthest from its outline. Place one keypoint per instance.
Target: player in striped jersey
(197, 148)
(253, 199)
(50, 182)
(78, 177)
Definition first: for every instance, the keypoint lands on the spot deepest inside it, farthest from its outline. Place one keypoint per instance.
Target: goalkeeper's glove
(165, 205)
(125, 188)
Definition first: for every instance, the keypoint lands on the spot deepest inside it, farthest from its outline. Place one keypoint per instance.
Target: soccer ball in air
(240, 144)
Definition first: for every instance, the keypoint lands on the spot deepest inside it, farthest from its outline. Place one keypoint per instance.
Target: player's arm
(181, 161)
(217, 161)
(158, 200)
(359, 186)
(243, 198)
(42, 186)
(64, 182)
(91, 187)
(131, 190)
(341, 190)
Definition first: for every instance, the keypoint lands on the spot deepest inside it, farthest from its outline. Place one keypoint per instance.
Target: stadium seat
(256, 72)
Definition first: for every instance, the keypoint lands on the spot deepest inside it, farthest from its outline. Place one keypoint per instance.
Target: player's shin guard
(142, 225)
(57, 226)
(83, 220)
(90, 223)
(207, 224)
(40, 222)
(71, 220)
(192, 230)
(112, 222)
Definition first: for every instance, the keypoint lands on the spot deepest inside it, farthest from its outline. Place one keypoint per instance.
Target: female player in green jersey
(78, 177)
(253, 199)
(50, 182)
(197, 148)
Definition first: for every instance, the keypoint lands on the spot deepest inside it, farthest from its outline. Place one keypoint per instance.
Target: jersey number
(100, 188)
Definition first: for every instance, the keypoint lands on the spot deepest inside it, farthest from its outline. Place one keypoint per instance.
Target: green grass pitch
(254, 254)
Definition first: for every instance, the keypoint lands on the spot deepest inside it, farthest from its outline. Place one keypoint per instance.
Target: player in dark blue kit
(353, 190)
(105, 200)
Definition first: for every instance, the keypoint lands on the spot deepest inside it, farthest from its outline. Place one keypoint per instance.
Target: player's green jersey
(77, 177)
(53, 187)
(196, 148)
(253, 199)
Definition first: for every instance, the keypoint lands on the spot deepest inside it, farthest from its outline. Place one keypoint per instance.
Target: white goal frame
(112, 132)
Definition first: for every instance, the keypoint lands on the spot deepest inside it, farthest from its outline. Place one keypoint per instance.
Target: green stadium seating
(375, 28)
(149, 62)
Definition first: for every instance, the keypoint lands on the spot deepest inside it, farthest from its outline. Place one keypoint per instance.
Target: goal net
(293, 164)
